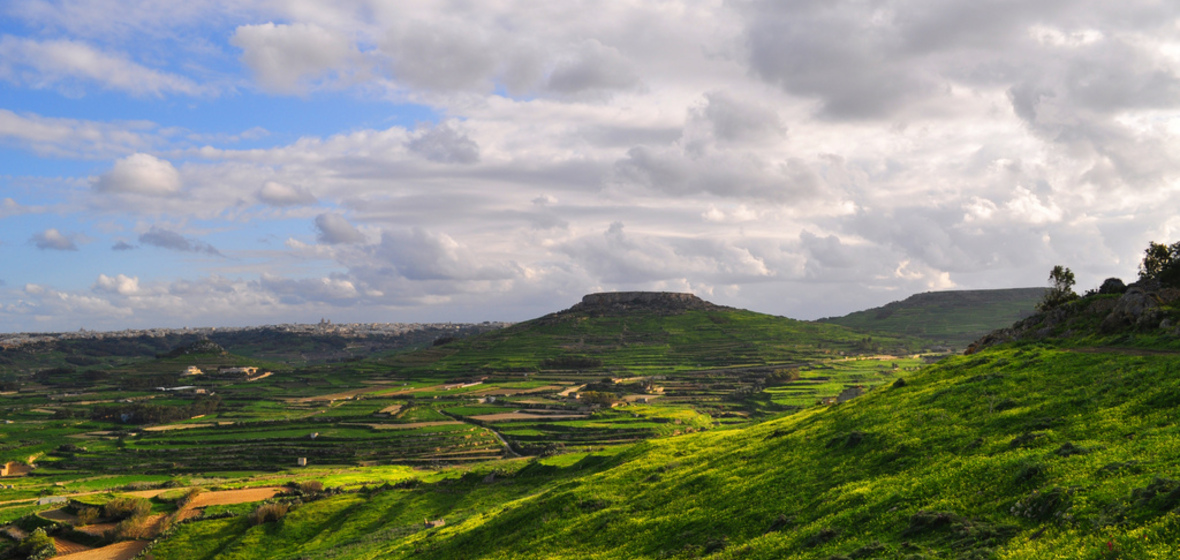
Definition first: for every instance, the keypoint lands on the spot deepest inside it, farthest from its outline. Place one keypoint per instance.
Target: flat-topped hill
(651, 332)
(658, 302)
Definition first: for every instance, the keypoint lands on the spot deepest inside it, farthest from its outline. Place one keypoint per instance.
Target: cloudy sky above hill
(237, 162)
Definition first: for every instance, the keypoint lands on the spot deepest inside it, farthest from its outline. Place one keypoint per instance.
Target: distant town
(347, 330)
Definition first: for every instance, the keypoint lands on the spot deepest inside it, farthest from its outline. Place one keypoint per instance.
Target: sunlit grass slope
(1016, 452)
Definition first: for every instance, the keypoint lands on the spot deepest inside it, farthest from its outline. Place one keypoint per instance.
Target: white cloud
(287, 58)
(142, 174)
(119, 284)
(167, 239)
(593, 69)
(445, 144)
(760, 151)
(75, 138)
(53, 239)
(279, 194)
(335, 229)
(60, 64)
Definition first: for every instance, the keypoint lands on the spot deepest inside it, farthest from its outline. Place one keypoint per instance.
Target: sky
(249, 162)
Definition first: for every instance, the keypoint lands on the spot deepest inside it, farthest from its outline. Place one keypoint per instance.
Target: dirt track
(509, 416)
(169, 427)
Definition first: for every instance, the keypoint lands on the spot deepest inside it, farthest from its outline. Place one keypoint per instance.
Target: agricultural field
(571, 380)
(543, 401)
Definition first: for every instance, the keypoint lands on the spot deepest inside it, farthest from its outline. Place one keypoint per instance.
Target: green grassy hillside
(642, 341)
(666, 371)
(1016, 452)
(955, 318)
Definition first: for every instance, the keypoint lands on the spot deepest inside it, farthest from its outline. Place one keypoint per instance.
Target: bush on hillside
(267, 513)
(124, 508)
(36, 546)
(87, 515)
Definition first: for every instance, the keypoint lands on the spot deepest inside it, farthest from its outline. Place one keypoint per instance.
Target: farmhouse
(192, 370)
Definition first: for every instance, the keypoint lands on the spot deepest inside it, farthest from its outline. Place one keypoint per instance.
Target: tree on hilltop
(1162, 263)
(1061, 292)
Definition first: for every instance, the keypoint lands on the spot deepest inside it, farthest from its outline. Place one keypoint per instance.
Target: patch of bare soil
(502, 392)
(125, 550)
(339, 396)
(60, 515)
(97, 529)
(169, 427)
(229, 497)
(69, 547)
(392, 409)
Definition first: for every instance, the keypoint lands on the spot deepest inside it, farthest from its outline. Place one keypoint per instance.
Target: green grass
(957, 317)
(1074, 438)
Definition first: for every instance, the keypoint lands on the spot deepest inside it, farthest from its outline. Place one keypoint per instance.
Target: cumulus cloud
(167, 239)
(279, 194)
(422, 255)
(675, 172)
(760, 151)
(593, 69)
(60, 63)
(142, 174)
(738, 121)
(336, 290)
(444, 144)
(75, 138)
(617, 257)
(53, 239)
(119, 284)
(335, 229)
(10, 207)
(123, 246)
(285, 58)
(441, 56)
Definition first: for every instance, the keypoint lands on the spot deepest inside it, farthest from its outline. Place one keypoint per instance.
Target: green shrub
(37, 545)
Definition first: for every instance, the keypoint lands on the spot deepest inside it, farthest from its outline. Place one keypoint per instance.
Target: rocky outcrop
(664, 303)
(1142, 308)
(1137, 309)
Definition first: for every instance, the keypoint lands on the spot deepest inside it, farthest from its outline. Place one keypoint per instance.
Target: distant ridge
(955, 318)
(606, 303)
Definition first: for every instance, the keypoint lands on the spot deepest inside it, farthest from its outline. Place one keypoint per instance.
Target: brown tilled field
(229, 497)
(60, 515)
(69, 547)
(96, 529)
(125, 550)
